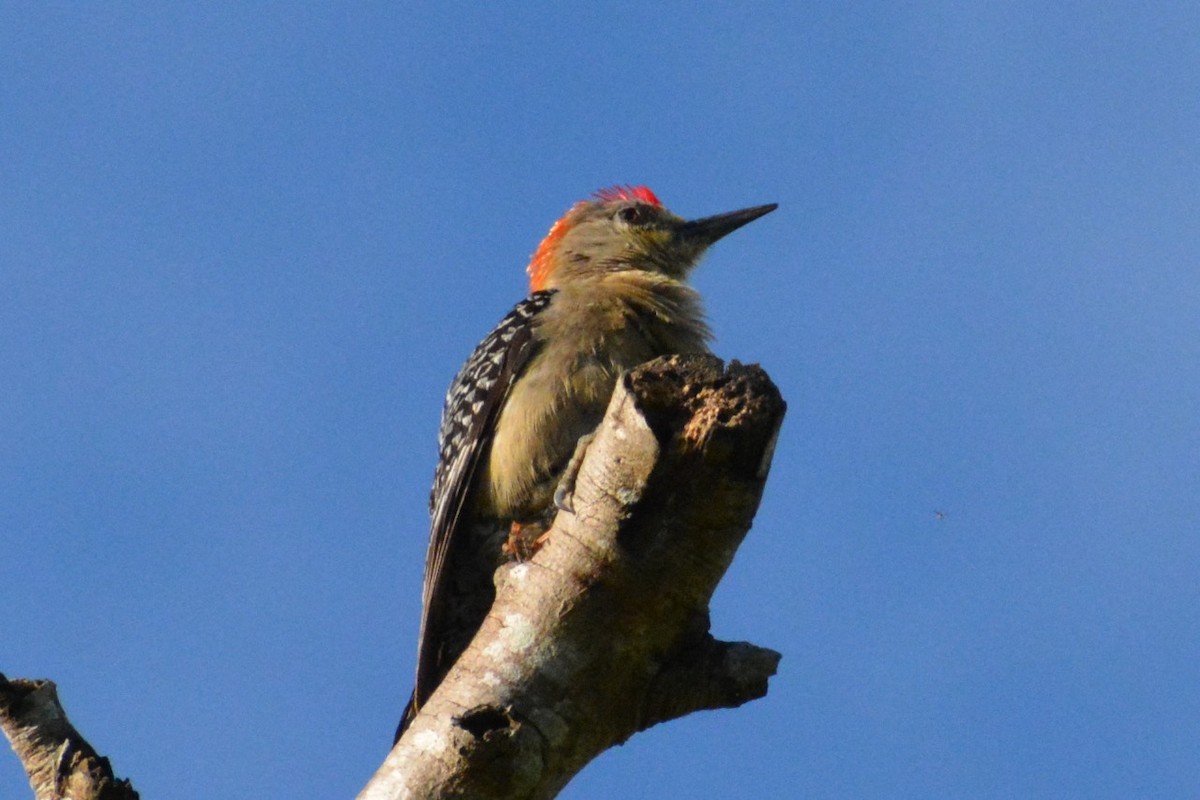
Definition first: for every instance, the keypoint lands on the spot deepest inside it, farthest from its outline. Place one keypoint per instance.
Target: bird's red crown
(627, 192)
(542, 263)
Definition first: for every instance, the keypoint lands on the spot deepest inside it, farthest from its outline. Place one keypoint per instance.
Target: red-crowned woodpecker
(609, 292)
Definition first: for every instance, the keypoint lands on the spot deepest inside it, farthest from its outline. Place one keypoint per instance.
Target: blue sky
(243, 249)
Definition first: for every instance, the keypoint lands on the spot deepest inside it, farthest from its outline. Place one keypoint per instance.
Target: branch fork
(604, 632)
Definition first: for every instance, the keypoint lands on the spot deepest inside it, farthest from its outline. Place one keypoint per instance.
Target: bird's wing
(473, 402)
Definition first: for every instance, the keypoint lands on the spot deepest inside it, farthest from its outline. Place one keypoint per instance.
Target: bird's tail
(410, 713)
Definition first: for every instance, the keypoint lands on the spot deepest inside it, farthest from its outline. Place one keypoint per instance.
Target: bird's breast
(584, 342)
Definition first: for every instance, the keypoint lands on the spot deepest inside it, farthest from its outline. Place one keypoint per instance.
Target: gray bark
(604, 632)
(601, 634)
(59, 762)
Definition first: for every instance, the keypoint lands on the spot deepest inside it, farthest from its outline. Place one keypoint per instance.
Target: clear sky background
(244, 248)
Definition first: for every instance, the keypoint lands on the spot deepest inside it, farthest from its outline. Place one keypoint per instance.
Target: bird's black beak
(709, 229)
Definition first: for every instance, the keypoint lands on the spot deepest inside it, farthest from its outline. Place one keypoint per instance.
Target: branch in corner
(58, 760)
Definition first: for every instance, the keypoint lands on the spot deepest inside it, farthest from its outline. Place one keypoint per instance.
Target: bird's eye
(630, 214)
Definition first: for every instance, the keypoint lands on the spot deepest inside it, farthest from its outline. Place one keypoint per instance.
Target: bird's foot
(564, 493)
(525, 539)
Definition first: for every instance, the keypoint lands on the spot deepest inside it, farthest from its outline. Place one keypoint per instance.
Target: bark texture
(58, 760)
(604, 632)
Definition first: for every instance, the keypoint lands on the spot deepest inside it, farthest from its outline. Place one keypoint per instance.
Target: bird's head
(627, 228)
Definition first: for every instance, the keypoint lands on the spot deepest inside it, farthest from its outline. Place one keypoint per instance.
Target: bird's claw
(564, 493)
(564, 498)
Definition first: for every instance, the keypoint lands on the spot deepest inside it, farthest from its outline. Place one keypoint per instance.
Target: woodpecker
(609, 292)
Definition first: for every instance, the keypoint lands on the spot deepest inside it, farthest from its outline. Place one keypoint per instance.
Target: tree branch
(604, 632)
(58, 760)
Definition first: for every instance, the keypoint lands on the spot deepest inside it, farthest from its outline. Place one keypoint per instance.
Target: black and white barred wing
(473, 403)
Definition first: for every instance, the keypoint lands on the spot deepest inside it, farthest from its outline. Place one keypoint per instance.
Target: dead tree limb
(601, 635)
(58, 760)
(604, 632)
